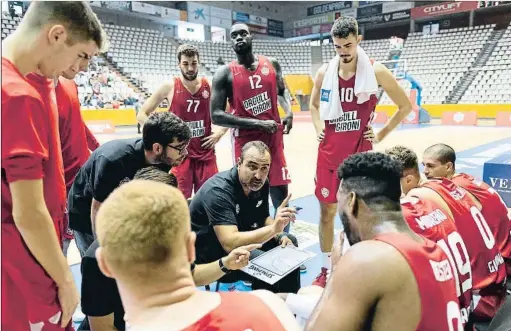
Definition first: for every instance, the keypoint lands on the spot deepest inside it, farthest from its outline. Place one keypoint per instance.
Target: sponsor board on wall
(221, 22)
(258, 20)
(117, 5)
(369, 10)
(390, 7)
(220, 13)
(385, 18)
(275, 28)
(145, 8)
(240, 17)
(352, 12)
(305, 31)
(198, 13)
(257, 29)
(327, 18)
(328, 7)
(172, 14)
(443, 8)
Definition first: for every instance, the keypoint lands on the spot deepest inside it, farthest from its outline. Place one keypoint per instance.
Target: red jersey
(428, 219)
(194, 110)
(435, 281)
(73, 131)
(30, 140)
(255, 316)
(344, 136)
(494, 210)
(254, 93)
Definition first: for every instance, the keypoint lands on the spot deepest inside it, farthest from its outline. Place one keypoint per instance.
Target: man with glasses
(164, 143)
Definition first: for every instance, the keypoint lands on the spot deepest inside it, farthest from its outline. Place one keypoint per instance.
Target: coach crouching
(231, 210)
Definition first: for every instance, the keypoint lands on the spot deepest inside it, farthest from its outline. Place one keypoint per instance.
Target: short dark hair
(187, 50)
(444, 153)
(344, 26)
(259, 145)
(163, 128)
(76, 16)
(156, 174)
(374, 177)
(405, 156)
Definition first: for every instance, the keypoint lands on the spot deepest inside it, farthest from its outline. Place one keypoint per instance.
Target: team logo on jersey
(325, 192)
(205, 94)
(347, 122)
(237, 209)
(325, 95)
(259, 203)
(265, 71)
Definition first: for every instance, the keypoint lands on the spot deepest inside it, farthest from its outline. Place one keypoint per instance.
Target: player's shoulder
(278, 307)
(15, 87)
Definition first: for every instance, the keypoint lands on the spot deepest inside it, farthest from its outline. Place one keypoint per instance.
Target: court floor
(474, 146)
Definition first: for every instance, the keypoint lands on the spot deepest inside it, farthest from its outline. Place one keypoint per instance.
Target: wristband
(223, 267)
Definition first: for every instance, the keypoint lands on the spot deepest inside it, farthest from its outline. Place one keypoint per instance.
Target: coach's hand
(285, 241)
(288, 123)
(211, 140)
(68, 299)
(238, 258)
(321, 135)
(284, 215)
(269, 126)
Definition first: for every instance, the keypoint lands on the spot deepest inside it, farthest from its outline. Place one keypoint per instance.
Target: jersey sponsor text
(197, 128)
(430, 220)
(347, 122)
(258, 104)
(493, 265)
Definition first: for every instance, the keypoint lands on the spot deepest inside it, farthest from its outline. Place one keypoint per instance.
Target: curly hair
(187, 50)
(156, 174)
(374, 177)
(405, 156)
(163, 128)
(344, 26)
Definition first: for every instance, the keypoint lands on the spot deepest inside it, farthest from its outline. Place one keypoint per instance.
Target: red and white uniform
(255, 315)
(30, 151)
(488, 269)
(200, 163)
(254, 95)
(428, 219)
(494, 212)
(435, 281)
(344, 136)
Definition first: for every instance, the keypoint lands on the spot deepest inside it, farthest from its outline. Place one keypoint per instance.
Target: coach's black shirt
(100, 296)
(221, 201)
(109, 166)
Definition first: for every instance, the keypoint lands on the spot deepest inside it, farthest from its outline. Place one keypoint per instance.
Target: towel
(365, 85)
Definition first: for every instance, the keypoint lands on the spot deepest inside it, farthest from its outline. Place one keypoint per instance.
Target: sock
(326, 260)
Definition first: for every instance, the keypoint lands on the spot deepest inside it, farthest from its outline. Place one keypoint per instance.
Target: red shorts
(487, 306)
(29, 295)
(279, 175)
(193, 173)
(327, 185)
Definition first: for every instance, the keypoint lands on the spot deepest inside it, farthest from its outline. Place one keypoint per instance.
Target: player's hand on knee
(269, 126)
(68, 299)
(238, 258)
(321, 135)
(285, 241)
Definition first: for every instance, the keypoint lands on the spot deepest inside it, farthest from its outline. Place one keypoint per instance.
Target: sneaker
(303, 268)
(247, 283)
(321, 279)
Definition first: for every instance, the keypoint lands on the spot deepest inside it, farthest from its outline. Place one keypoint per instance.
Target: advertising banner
(328, 7)
(145, 8)
(384, 18)
(117, 5)
(275, 28)
(327, 18)
(258, 29)
(443, 8)
(390, 7)
(369, 10)
(198, 13)
(302, 31)
(171, 14)
(221, 22)
(240, 17)
(220, 13)
(258, 20)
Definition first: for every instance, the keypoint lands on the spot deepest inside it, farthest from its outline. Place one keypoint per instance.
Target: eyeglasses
(181, 150)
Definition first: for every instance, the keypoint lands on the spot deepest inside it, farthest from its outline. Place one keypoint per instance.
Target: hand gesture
(288, 123)
(284, 215)
(285, 241)
(238, 258)
(269, 126)
(211, 140)
(321, 135)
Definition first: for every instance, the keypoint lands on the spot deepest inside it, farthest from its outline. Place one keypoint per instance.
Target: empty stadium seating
(9, 24)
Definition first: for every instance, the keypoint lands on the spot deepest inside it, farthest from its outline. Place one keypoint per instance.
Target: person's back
(488, 270)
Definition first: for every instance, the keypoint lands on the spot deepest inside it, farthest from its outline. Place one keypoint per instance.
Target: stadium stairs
(465, 82)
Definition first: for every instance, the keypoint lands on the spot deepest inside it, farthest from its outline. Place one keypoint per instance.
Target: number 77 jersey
(488, 270)
(427, 218)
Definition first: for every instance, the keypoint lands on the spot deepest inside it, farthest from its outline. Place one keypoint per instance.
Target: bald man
(149, 251)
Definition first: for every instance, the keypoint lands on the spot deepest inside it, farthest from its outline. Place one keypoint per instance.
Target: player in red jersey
(390, 278)
(440, 161)
(188, 98)
(429, 215)
(76, 140)
(254, 86)
(150, 262)
(351, 133)
(38, 290)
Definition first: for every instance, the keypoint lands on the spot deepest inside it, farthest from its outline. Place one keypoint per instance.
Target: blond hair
(141, 227)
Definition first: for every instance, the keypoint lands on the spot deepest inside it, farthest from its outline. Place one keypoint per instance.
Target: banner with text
(198, 13)
(142, 7)
(221, 22)
(275, 28)
(302, 31)
(117, 5)
(328, 7)
(369, 10)
(443, 8)
(390, 7)
(385, 18)
(220, 12)
(257, 29)
(240, 17)
(173, 14)
(258, 20)
(352, 12)
(322, 19)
